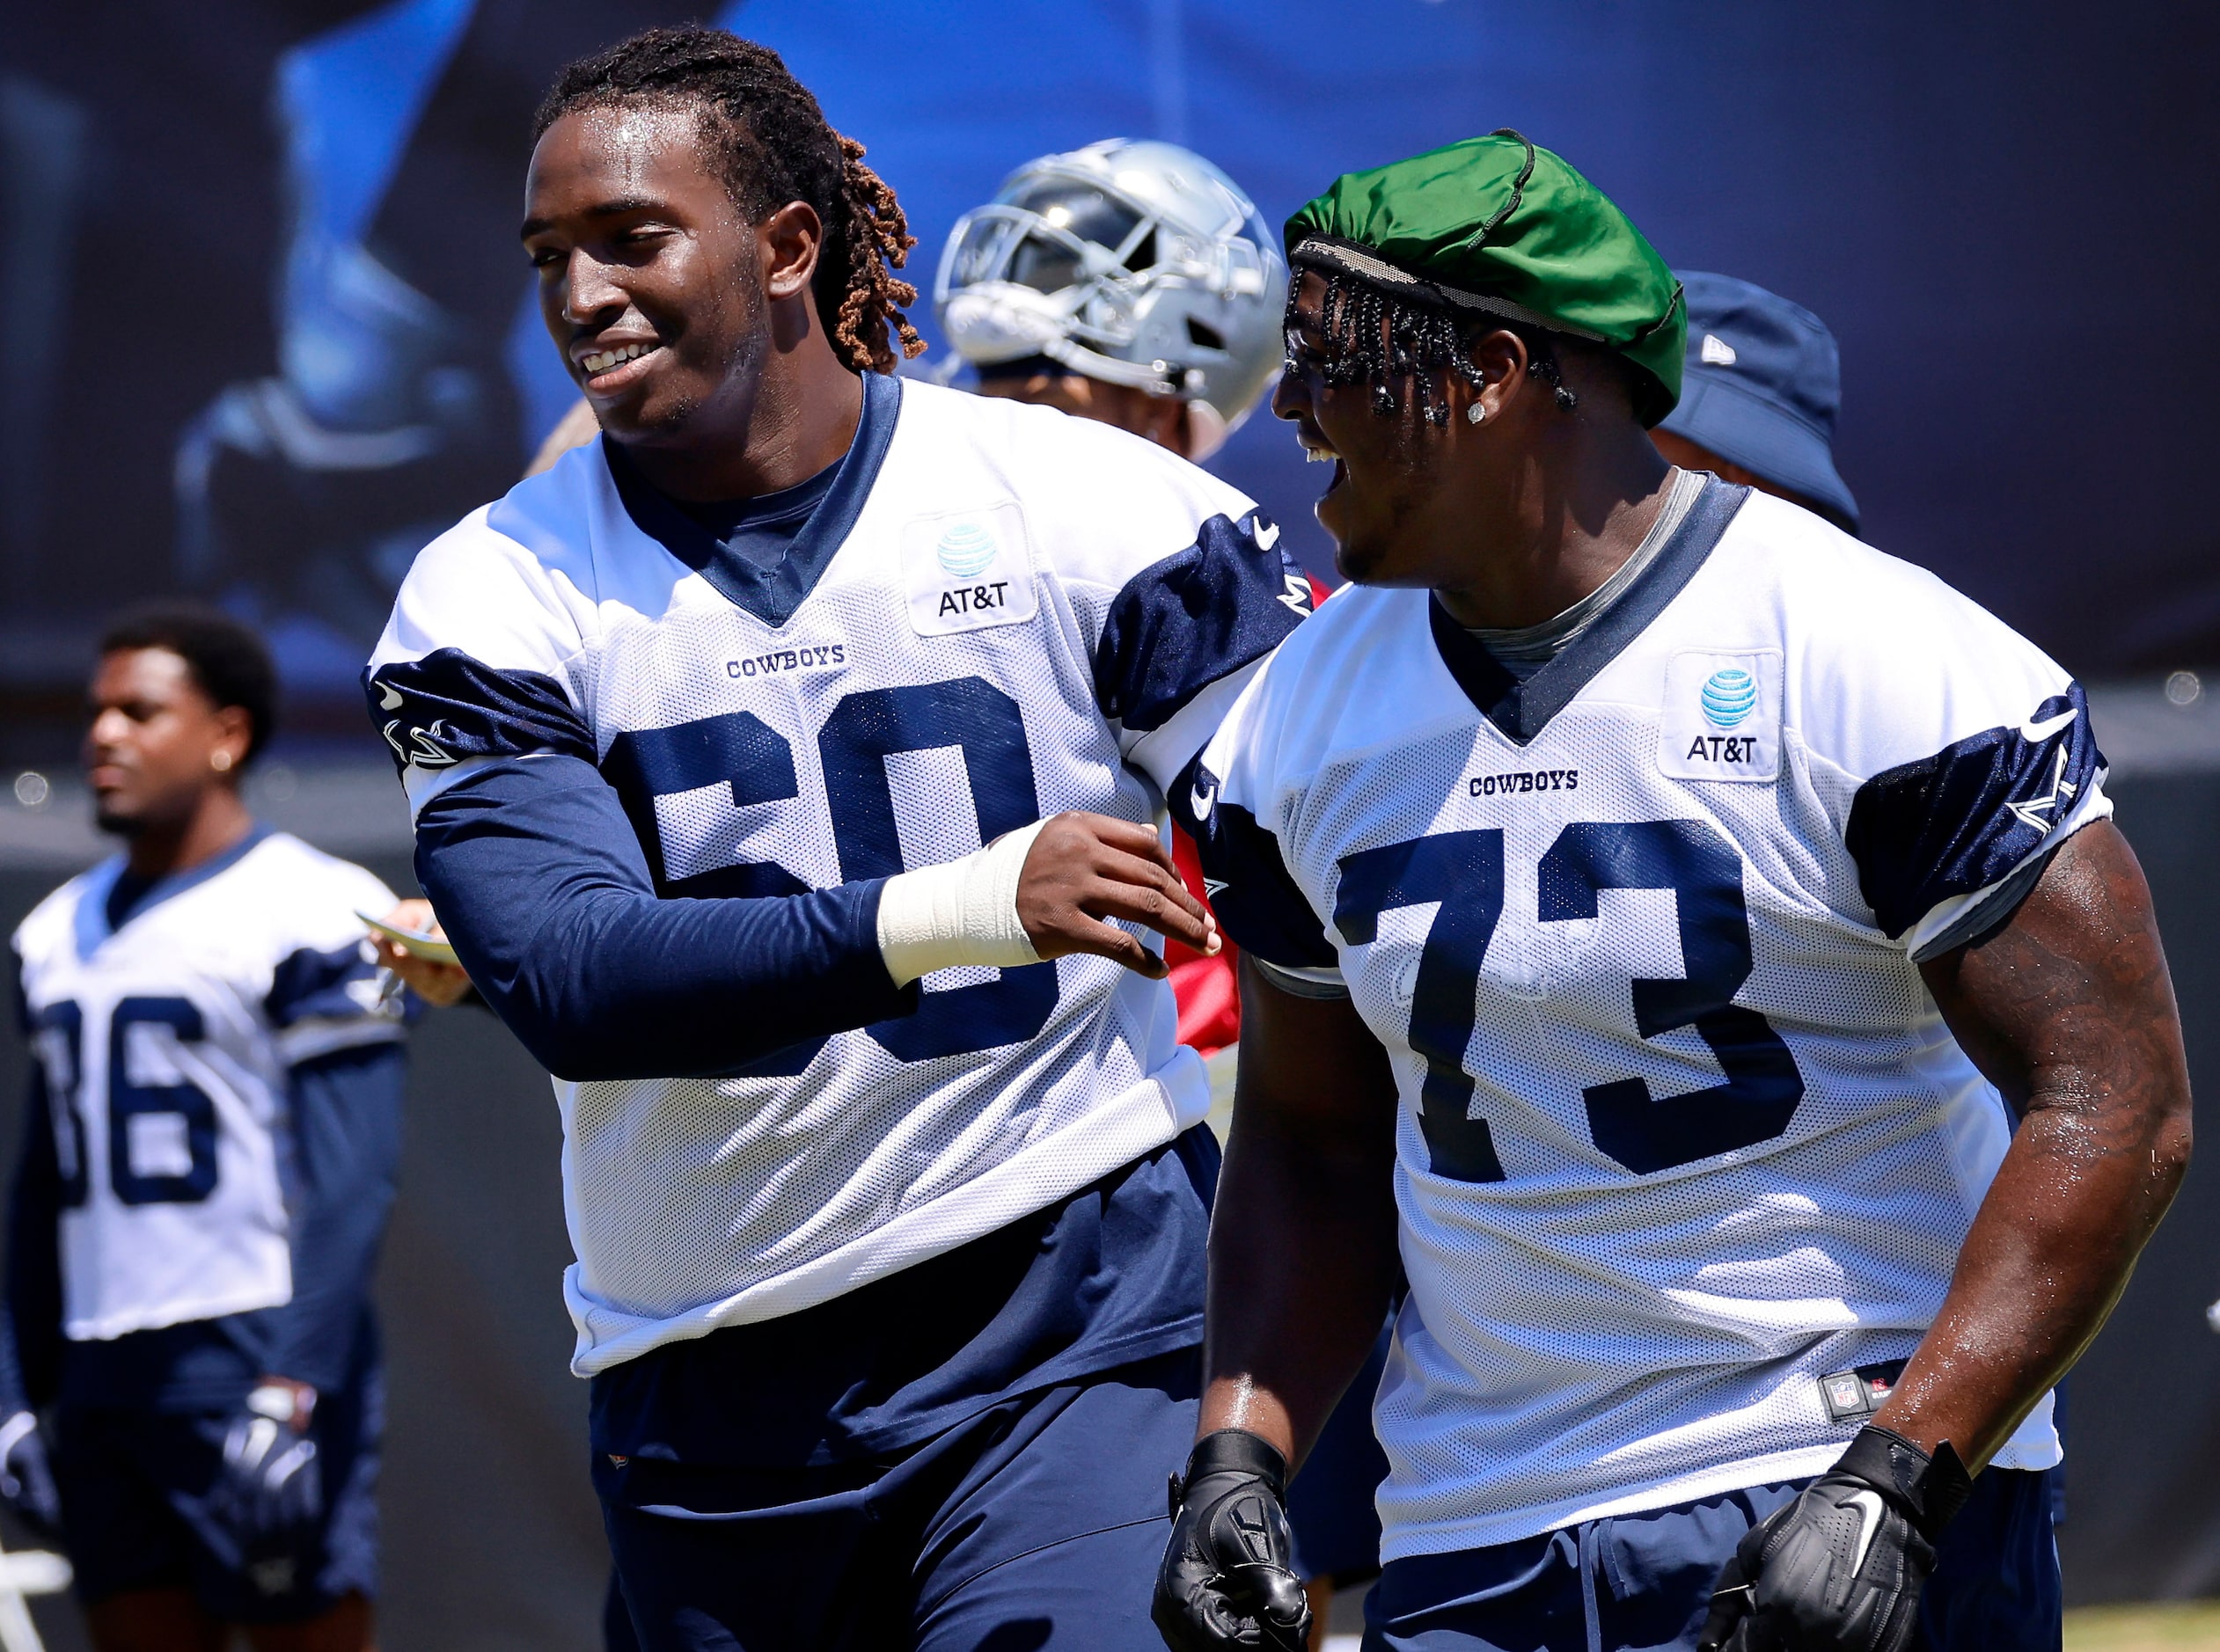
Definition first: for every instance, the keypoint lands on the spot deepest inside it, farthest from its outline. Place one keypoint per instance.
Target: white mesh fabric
(698, 1203)
(1602, 1328)
(215, 947)
(1583, 1338)
(695, 1204)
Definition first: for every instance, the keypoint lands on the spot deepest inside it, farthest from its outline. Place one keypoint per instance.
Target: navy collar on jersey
(771, 594)
(1523, 710)
(90, 919)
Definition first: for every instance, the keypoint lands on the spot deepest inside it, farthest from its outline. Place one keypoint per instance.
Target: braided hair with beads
(773, 146)
(1383, 339)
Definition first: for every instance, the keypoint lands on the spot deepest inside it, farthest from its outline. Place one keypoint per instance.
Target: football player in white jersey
(210, 1156)
(1657, 909)
(786, 769)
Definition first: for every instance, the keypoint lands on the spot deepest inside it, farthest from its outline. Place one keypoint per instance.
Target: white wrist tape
(965, 912)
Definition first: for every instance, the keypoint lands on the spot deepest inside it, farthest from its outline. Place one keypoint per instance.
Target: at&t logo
(1729, 695)
(966, 551)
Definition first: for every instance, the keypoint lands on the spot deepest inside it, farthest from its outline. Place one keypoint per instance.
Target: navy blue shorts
(1642, 1583)
(135, 1488)
(1035, 1526)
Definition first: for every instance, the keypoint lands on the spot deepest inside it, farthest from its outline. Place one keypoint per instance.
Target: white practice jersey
(164, 1048)
(1683, 1132)
(996, 614)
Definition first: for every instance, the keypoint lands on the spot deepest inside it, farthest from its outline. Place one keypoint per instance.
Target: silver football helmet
(1133, 262)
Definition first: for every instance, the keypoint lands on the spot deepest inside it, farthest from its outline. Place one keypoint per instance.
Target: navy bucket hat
(1762, 384)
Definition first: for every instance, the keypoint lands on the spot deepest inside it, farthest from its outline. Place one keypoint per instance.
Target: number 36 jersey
(164, 1051)
(994, 614)
(1681, 1132)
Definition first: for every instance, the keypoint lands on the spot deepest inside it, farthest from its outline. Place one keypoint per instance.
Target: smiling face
(649, 277)
(156, 742)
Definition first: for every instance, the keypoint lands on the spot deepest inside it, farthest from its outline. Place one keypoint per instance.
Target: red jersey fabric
(1208, 989)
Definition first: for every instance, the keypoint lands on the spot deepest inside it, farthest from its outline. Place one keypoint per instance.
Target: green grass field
(2188, 1623)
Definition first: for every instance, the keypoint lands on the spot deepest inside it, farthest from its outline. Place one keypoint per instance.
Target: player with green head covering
(1655, 905)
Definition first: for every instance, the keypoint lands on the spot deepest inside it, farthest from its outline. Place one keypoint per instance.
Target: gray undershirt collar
(1522, 650)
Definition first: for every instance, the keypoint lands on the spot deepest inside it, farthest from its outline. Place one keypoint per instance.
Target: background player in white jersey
(209, 1158)
(1133, 282)
(722, 735)
(1654, 901)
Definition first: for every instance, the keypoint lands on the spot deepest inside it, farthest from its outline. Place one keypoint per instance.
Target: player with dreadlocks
(788, 768)
(1390, 333)
(1692, 950)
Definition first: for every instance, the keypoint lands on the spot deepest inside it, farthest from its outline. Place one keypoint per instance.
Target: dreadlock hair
(771, 144)
(1383, 339)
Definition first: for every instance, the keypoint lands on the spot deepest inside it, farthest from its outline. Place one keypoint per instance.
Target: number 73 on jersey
(1463, 871)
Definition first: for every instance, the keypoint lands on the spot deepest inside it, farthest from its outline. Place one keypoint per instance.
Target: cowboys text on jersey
(1682, 1131)
(994, 613)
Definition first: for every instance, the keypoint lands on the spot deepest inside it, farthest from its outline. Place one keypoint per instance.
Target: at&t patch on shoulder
(967, 570)
(1722, 716)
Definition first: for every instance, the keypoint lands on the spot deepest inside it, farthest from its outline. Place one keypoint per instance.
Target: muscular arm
(2069, 1011)
(1303, 1240)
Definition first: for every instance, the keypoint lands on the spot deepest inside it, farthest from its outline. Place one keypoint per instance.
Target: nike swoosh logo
(1868, 1503)
(389, 698)
(1204, 802)
(1267, 534)
(2050, 725)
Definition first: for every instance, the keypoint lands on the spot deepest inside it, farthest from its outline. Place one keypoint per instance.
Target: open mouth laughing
(611, 369)
(1315, 451)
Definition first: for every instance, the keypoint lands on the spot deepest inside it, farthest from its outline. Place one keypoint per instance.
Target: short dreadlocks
(773, 146)
(1382, 339)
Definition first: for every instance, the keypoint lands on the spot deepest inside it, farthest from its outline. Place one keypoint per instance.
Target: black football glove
(27, 1483)
(270, 1488)
(1228, 1579)
(1840, 1569)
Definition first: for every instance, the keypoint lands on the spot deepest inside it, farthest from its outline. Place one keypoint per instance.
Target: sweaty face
(152, 747)
(1380, 464)
(647, 276)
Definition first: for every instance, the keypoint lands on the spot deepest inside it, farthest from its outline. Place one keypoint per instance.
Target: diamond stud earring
(1476, 412)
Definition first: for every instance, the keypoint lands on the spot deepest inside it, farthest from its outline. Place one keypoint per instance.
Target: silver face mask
(1134, 263)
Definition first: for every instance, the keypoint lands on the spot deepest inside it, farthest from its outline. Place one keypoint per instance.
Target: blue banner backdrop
(271, 329)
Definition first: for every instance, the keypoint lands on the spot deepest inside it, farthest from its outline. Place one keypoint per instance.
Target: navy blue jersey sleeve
(31, 1327)
(315, 982)
(347, 1138)
(1929, 837)
(1178, 636)
(326, 998)
(1259, 904)
(543, 886)
(447, 708)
